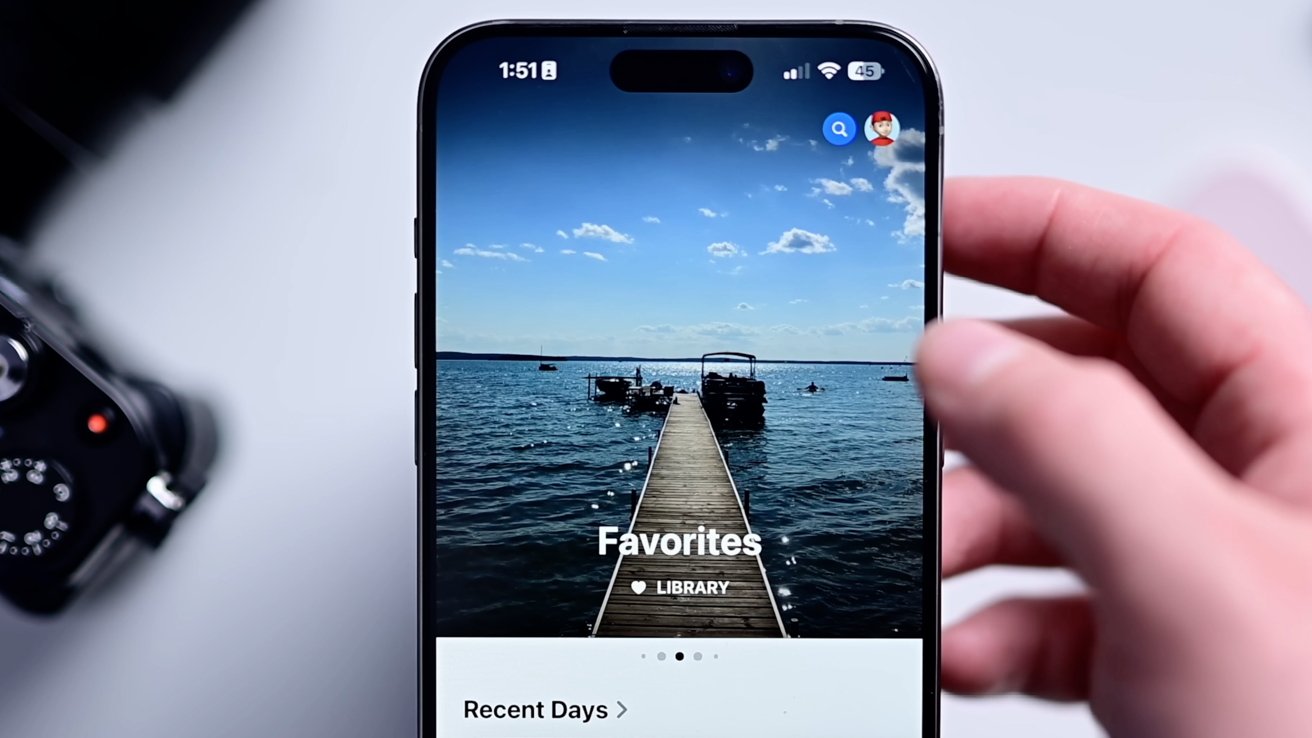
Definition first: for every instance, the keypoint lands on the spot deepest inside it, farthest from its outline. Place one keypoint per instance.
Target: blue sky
(591, 221)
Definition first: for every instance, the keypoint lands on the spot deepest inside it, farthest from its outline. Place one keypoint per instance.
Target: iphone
(676, 477)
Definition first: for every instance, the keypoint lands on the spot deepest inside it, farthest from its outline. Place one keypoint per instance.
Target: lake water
(528, 468)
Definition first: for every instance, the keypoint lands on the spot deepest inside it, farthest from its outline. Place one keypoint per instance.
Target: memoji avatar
(882, 128)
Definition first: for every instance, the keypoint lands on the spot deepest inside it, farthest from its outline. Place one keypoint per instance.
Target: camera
(94, 461)
(731, 69)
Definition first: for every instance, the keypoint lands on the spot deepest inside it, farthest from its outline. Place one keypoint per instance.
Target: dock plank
(688, 485)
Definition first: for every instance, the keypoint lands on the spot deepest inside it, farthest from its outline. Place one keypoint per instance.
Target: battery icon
(549, 69)
(864, 71)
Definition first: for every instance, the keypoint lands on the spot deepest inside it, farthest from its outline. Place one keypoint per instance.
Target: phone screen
(678, 478)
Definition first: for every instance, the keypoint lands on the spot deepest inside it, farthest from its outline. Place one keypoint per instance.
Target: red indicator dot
(97, 423)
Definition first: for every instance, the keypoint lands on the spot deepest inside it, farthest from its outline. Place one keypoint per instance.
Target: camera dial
(36, 506)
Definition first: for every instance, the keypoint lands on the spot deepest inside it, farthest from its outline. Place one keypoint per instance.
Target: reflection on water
(528, 468)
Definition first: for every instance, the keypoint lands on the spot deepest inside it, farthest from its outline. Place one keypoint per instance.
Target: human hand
(1157, 441)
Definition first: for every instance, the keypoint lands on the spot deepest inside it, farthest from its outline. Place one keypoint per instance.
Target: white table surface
(252, 240)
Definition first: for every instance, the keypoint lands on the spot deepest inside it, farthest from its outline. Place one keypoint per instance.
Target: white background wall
(253, 240)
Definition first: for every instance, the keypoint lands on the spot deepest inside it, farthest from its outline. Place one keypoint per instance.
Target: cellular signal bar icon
(802, 72)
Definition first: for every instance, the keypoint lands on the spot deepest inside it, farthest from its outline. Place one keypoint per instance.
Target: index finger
(1194, 306)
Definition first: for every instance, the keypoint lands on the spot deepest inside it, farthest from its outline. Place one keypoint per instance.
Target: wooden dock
(688, 484)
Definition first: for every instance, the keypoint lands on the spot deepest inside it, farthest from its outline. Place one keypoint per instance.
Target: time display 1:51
(528, 70)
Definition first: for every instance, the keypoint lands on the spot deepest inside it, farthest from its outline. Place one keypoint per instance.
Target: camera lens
(14, 363)
(731, 70)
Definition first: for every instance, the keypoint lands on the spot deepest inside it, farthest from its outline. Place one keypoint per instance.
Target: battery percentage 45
(864, 71)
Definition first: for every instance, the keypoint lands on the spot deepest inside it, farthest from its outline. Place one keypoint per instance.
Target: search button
(839, 129)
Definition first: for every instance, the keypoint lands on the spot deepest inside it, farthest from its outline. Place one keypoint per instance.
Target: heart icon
(639, 587)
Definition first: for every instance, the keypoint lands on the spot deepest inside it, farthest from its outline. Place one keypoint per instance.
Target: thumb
(1107, 476)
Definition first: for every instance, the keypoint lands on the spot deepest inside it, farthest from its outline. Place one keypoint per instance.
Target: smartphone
(676, 475)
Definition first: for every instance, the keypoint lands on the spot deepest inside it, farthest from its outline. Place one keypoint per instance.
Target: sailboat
(898, 377)
(542, 365)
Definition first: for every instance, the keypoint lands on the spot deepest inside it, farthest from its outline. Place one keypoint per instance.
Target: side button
(415, 221)
(415, 328)
(417, 421)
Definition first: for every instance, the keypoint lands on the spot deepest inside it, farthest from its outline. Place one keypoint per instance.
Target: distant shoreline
(467, 356)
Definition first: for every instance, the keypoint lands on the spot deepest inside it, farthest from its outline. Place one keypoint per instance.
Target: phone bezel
(425, 299)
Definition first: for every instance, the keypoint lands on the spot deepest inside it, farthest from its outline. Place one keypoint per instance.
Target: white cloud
(875, 325)
(446, 264)
(744, 306)
(650, 219)
(497, 246)
(604, 232)
(905, 183)
(908, 284)
(702, 330)
(796, 240)
(828, 204)
(531, 247)
(710, 213)
(798, 301)
(662, 328)
(839, 188)
(830, 187)
(864, 307)
(687, 139)
(589, 254)
(728, 331)
(725, 249)
(884, 297)
(723, 330)
(780, 188)
(470, 249)
(562, 234)
(890, 325)
(770, 144)
(849, 161)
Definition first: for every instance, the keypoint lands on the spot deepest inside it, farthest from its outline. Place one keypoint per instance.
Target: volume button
(415, 222)
(416, 330)
(418, 420)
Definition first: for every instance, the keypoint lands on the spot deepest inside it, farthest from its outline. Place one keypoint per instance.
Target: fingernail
(965, 353)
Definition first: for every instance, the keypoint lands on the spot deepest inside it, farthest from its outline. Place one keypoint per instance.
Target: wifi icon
(829, 69)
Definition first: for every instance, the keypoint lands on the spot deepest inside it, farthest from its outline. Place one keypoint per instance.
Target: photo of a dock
(703, 343)
(689, 486)
(704, 426)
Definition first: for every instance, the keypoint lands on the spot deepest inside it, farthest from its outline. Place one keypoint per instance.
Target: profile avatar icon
(882, 128)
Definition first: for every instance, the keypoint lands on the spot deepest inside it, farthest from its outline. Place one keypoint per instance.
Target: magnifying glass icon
(838, 129)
